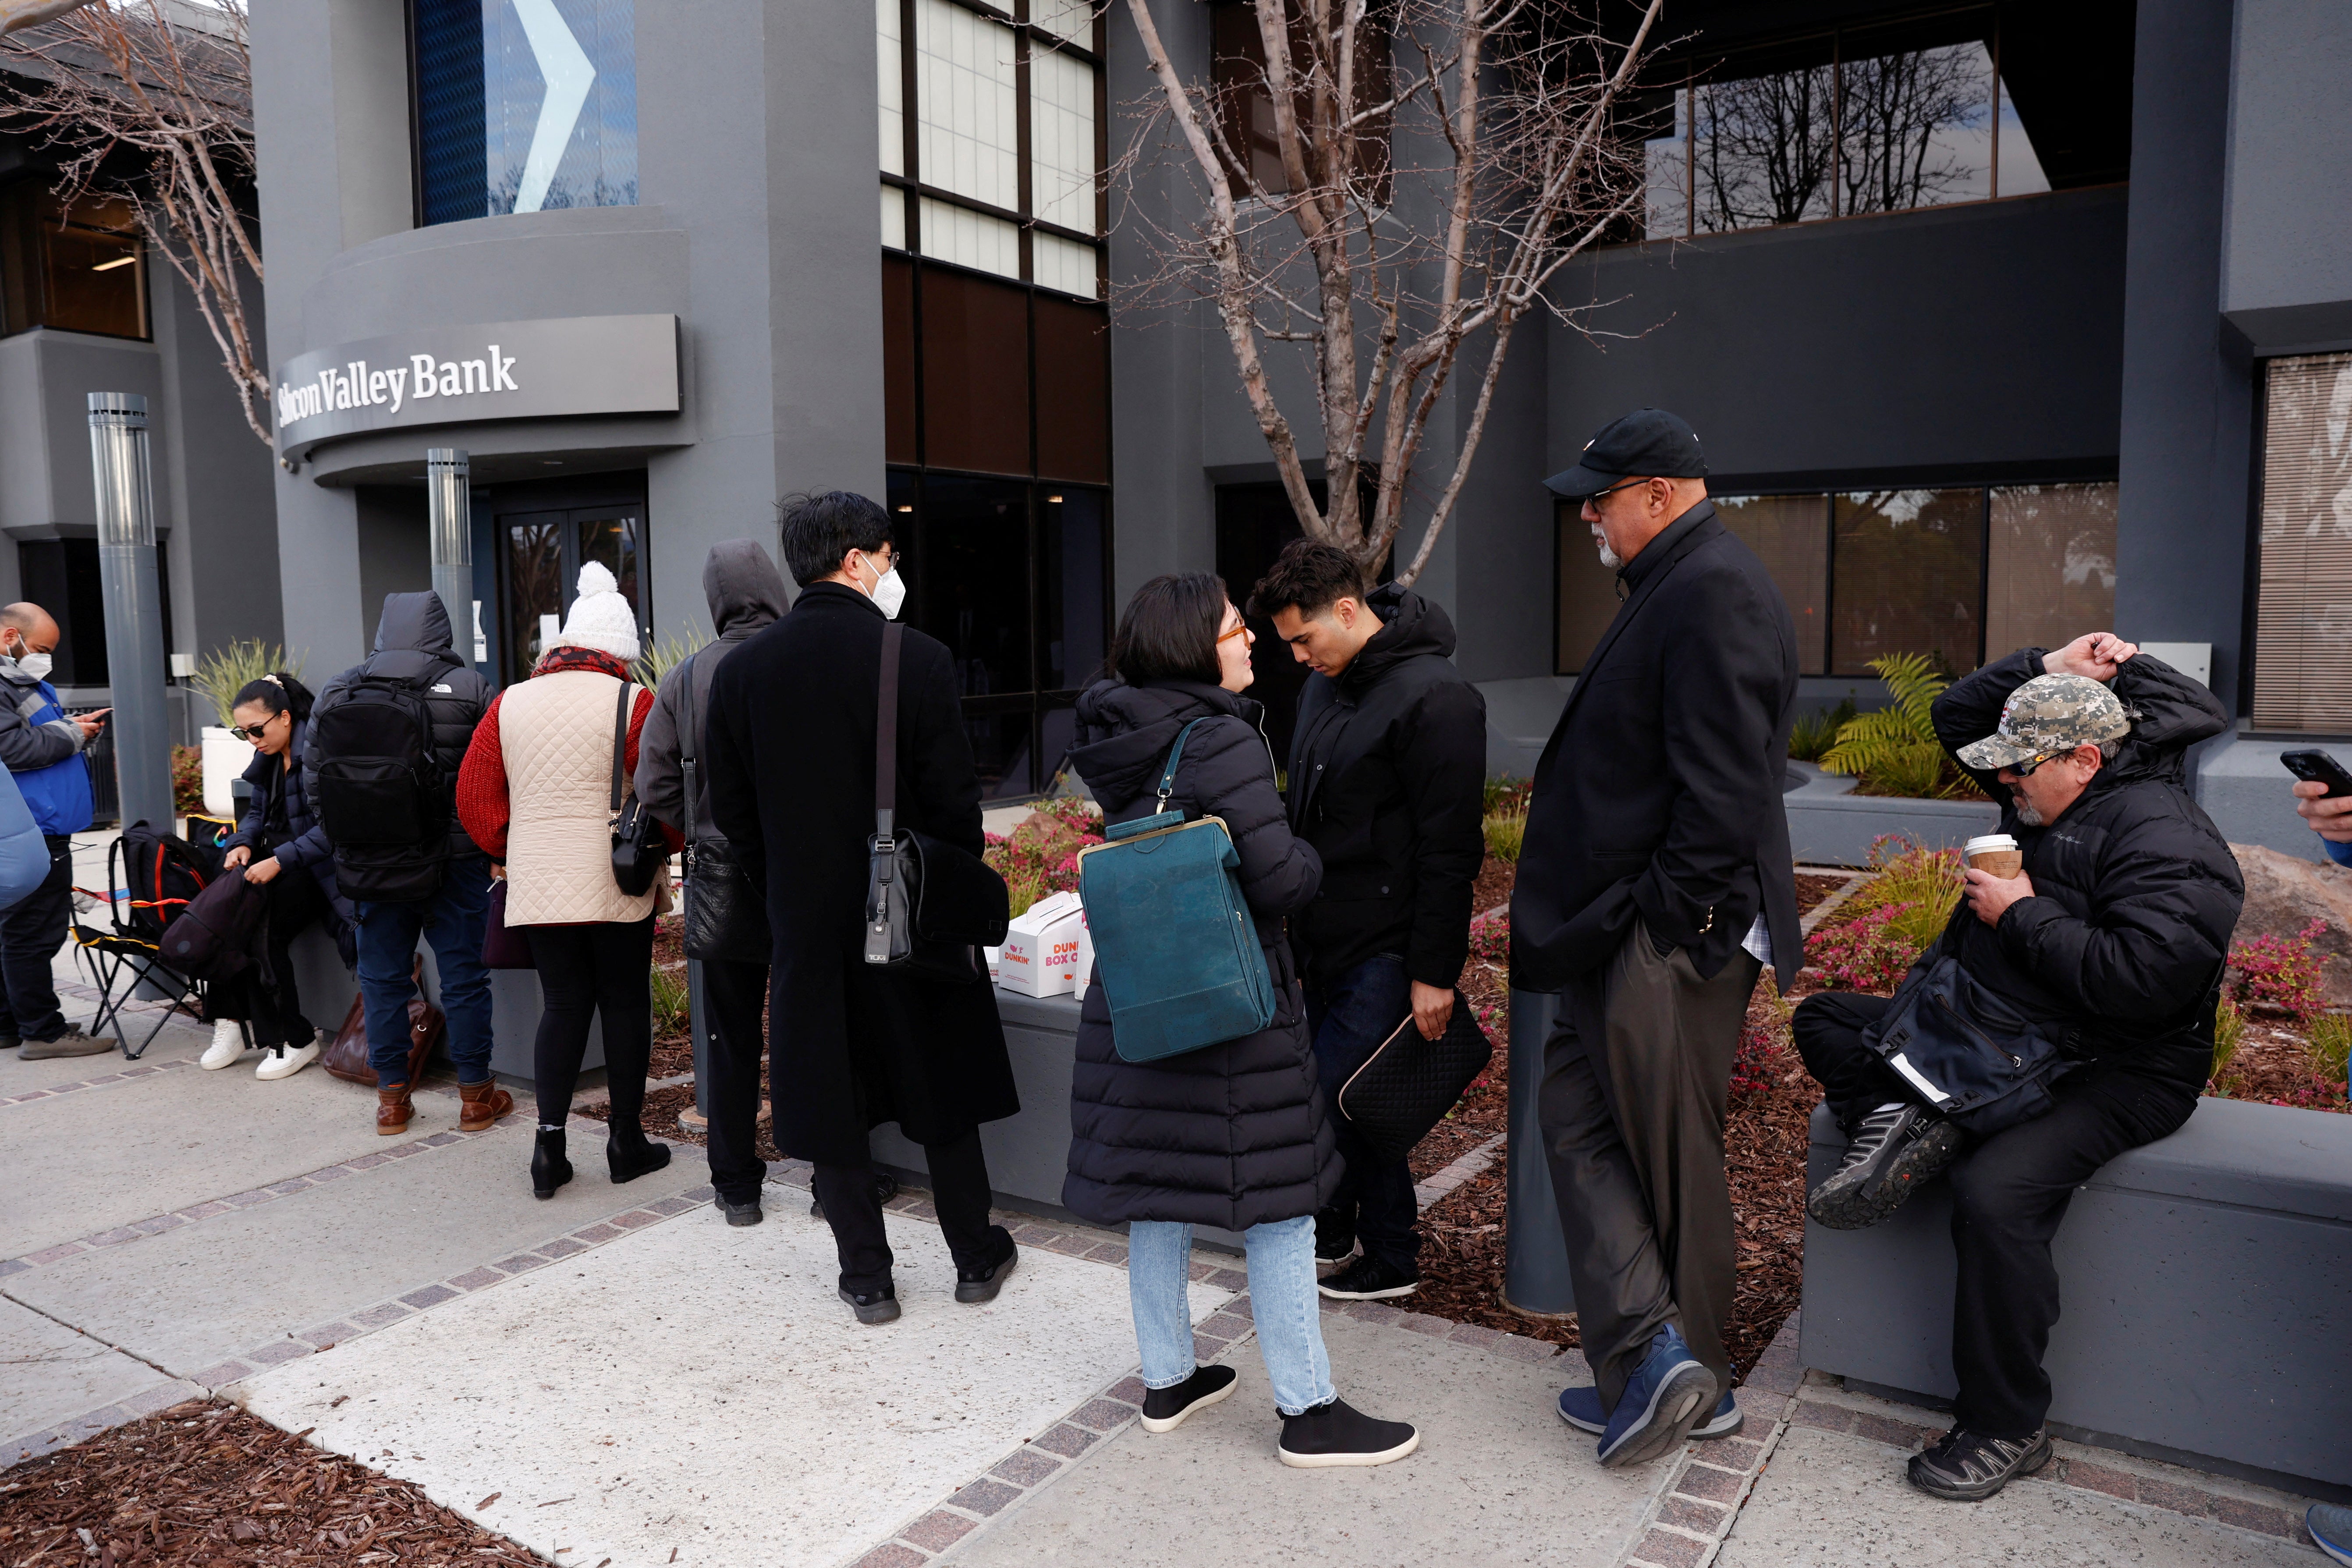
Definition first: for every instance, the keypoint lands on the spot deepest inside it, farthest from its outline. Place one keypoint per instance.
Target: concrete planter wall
(515, 1002)
(2208, 1287)
(1829, 825)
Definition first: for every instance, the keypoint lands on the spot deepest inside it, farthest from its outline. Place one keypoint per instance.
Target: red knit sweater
(482, 801)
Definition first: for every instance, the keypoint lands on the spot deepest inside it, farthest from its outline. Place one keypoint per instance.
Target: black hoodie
(1388, 771)
(2136, 892)
(412, 643)
(746, 593)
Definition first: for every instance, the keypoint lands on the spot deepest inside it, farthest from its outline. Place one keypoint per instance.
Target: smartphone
(2319, 767)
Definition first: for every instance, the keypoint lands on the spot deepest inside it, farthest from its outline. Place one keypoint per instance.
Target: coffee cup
(1996, 854)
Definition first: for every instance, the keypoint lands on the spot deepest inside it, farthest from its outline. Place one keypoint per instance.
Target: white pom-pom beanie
(600, 618)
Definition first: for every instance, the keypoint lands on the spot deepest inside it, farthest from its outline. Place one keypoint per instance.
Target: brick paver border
(131, 1073)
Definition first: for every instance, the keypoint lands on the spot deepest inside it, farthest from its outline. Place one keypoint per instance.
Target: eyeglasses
(253, 731)
(1612, 490)
(1240, 631)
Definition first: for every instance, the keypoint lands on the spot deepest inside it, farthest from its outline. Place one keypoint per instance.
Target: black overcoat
(791, 736)
(1659, 792)
(1239, 1134)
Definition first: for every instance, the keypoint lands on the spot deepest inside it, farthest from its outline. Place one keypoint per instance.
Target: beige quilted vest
(555, 732)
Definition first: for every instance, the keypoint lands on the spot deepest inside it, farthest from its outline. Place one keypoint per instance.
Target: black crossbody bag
(725, 919)
(929, 906)
(638, 852)
(1966, 1053)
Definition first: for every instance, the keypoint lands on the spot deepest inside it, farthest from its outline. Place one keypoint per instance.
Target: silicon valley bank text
(355, 385)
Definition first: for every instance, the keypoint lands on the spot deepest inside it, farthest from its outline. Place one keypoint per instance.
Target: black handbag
(1966, 1054)
(931, 907)
(1408, 1084)
(726, 919)
(638, 852)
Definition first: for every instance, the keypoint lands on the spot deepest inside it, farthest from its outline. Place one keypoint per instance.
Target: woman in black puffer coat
(1236, 1135)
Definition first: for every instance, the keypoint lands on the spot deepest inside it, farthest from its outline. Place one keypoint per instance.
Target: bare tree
(152, 100)
(1384, 260)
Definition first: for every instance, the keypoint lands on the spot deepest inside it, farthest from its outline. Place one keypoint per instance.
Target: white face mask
(888, 593)
(35, 665)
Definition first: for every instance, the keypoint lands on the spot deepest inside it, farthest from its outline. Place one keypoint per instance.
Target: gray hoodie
(745, 593)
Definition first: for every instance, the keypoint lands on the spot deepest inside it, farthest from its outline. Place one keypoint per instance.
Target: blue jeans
(1283, 1300)
(1351, 1017)
(453, 920)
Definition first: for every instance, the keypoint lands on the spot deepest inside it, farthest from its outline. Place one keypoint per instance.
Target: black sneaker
(1335, 1237)
(1967, 1467)
(877, 1306)
(1164, 1409)
(739, 1214)
(983, 1284)
(1335, 1434)
(1370, 1278)
(1896, 1149)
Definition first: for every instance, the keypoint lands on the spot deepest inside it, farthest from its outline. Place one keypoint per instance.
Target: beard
(1609, 557)
(2027, 816)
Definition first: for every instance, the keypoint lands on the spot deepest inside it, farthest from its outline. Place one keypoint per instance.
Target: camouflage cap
(2048, 714)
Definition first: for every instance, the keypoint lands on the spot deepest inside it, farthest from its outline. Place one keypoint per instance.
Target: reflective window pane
(2302, 616)
(525, 105)
(1072, 546)
(890, 85)
(1764, 139)
(1661, 122)
(534, 593)
(1001, 752)
(1909, 577)
(967, 138)
(2050, 567)
(82, 268)
(971, 238)
(1915, 122)
(1791, 535)
(1062, 140)
(2019, 170)
(970, 571)
(615, 542)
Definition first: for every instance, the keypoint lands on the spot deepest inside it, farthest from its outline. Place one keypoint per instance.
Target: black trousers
(2009, 1194)
(584, 971)
(958, 1191)
(31, 932)
(732, 995)
(266, 996)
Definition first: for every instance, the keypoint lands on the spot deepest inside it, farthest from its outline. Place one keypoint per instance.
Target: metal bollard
(449, 499)
(134, 605)
(1535, 1255)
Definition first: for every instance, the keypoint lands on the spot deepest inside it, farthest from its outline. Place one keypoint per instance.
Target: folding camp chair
(118, 962)
(121, 960)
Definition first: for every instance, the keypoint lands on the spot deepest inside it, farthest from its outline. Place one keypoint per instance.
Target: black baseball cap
(1649, 442)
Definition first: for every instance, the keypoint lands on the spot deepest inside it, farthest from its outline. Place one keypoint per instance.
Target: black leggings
(268, 997)
(605, 969)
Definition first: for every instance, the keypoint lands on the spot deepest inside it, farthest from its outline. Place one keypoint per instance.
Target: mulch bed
(1811, 890)
(2272, 1065)
(206, 1483)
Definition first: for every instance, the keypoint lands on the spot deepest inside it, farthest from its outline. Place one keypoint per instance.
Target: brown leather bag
(347, 1058)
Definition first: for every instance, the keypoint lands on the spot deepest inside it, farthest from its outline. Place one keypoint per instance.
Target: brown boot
(483, 1104)
(393, 1109)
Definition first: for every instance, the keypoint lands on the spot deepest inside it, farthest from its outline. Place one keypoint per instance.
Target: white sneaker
(228, 1044)
(292, 1060)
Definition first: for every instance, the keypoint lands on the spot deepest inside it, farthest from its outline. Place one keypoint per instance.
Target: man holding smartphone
(2326, 804)
(42, 745)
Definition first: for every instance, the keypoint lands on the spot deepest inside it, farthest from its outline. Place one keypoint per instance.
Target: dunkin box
(1040, 954)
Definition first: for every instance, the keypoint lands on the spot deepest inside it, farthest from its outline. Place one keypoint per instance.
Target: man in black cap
(1655, 883)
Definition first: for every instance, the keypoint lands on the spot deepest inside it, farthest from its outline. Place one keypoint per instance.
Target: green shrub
(223, 672)
(187, 781)
(1505, 832)
(1505, 793)
(666, 655)
(2330, 1045)
(1894, 749)
(1927, 881)
(673, 1003)
(2229, 1034)
(1815, 734)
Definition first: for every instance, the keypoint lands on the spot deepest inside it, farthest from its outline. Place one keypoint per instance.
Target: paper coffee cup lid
(1988, 841)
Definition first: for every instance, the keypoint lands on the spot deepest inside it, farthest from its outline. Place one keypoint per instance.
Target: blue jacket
(42, 748)
(24, 858)
(308, 849)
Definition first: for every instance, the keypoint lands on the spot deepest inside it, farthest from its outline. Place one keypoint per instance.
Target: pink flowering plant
(1040, 857)
(1870, 953)
(2279, 975)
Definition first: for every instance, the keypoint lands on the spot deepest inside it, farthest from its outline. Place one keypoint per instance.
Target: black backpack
(379, 788)
(161, 872)
(213, 937)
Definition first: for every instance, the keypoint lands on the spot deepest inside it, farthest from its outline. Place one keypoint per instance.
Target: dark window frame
(32, 311)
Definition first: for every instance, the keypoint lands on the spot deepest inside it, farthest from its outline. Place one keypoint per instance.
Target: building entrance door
(544, 535)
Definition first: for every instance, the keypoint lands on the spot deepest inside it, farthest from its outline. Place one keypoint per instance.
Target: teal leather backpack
(1175, 950)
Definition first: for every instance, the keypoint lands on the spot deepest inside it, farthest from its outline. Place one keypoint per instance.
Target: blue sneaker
(1581, 1408)
(2331, 1530)
(1663, 1400)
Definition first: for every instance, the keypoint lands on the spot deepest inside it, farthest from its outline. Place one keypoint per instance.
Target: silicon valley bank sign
(501, 370)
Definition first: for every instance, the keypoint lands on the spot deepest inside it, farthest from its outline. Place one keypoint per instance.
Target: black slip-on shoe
(1893, 1152)
(974, 1285)
(1336, 1434)
(1164, 1409)
(1968, 1466)
(1368, 1279)
(877, 1306)
(739, 1214)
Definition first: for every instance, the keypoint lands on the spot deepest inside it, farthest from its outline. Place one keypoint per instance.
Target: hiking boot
(739, 1214)
(983, 1284)
(285, 1061)
(1368, 1279)
(1164, 1409)
(1967, 1467)
(2330, 1525)
(1581, 1408)
(879, 1305)
(1896, 1149)
(394, 1110)
(550, 1166)
(1335, 1237)
(1666, 1398)
(481, 1104)
(228, 1044)
(1334, 1433)
(72, 1043)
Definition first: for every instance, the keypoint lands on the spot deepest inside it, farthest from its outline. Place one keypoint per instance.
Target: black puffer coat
(1237, 1135)
(2136, 892)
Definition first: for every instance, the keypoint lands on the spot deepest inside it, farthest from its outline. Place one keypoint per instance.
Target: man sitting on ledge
(2111, 941)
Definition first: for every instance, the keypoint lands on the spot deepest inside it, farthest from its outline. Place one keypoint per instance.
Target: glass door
(544, 552)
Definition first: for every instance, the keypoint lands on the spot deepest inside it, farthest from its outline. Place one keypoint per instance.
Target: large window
(523, 105)
(2303, 613)
(1962, 575)
(1965, 105)
(991, 137)
(81, 268)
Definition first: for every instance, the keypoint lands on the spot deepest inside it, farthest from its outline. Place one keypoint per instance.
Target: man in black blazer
(1655, 883)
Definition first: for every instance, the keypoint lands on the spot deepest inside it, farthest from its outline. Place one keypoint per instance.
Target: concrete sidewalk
(637, 1382)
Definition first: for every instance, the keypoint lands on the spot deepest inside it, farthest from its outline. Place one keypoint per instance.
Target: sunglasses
(2024, 769)
(253, 731)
